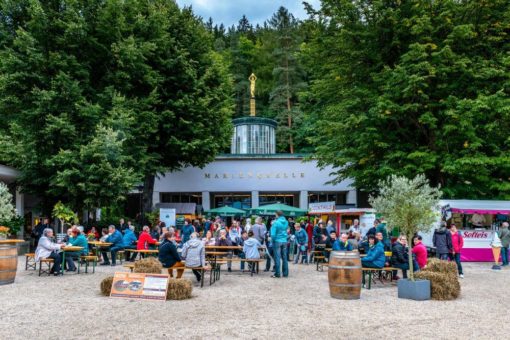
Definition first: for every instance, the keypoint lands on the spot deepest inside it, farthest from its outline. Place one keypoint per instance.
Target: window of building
(291, 199)
(236, 200)
(340, 198)
(177, 197)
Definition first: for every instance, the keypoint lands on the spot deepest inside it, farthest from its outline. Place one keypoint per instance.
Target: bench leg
(203, 277)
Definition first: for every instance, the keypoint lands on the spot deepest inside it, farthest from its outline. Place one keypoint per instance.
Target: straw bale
(179, 289)
(148, 265)
(443, 286)
(106, 285)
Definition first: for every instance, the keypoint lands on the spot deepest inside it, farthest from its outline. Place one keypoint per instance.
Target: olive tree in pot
(410, 204)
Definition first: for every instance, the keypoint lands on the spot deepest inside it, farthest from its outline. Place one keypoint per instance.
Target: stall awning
(477, 206)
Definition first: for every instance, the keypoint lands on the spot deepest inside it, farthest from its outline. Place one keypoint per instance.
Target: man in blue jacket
(301, 240)
(129, 242)
(279, 238)
(114, 237)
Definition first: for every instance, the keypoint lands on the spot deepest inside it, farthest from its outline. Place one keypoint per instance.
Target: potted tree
(410, 204)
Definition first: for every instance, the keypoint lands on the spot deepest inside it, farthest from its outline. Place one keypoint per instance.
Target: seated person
(48, 249)
(78, 239)
(129, 242)
(104, 235)
(420, 251)
(209, 240)
(342, 244)
(144, 240)
(114, 237)
(223, 240)
(69, 234)
(168, 255)
(363, 246)
(400, 256)
(193, 253)
(251, 249)
(375, 256)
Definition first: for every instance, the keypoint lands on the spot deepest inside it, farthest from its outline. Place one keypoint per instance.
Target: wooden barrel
(344, 275)
(8, 263)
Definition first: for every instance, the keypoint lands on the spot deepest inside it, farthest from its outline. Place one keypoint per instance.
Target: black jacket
(399, 254)
(168, 254)
(442, 240)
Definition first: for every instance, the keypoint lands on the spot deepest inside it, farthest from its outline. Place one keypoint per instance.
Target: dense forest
(98, 95)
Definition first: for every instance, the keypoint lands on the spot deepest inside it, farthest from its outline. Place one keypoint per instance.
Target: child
(251, 250)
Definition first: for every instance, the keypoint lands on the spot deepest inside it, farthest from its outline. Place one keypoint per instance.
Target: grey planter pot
(418, 290)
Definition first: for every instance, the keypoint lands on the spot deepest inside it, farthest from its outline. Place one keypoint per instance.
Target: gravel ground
(240, 306)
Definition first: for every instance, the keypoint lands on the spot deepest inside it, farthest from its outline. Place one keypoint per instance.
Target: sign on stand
(167, 215)
(140, 286)
(321, 207)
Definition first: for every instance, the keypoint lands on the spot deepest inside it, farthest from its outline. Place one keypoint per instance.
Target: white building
(246, 179)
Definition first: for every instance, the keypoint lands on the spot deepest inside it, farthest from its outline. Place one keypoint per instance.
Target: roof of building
(227, 156)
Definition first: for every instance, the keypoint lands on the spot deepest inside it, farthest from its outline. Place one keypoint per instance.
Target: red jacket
(144, 240)
(421, 254)
(457, 242)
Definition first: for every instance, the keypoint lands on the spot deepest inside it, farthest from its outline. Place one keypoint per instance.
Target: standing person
(48, 249)
(269, 249)
(504, 236)
(330, 227)
(122, 226)
(193, 253)
(442, 240)
(420, 251)
(373, 230)
(279, 238)
(381, 228)
(355, 228)
(292, 226)
(207, 225)
(259, 230)
(309, 231)
(114, 237)
(457, 245)
(39, 229)
(301, 240)
(187, 230)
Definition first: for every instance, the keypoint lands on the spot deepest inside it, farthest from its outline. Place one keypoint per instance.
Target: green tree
(288, 76)
(408, 87)
(410, 204)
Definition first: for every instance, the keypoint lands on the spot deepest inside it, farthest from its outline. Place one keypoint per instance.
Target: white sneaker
(461, 276)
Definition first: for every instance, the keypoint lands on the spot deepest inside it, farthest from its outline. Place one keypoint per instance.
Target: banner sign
(321, 206)
(140, 286)
(167, 215)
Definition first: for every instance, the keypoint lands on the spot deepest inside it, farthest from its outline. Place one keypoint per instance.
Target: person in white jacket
(193, 253)
(48, 249)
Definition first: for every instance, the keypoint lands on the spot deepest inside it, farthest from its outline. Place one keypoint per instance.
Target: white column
(254, 199)
(351, 197)
(155, 198)
(303, 199)
(206, 200)
(20, 208)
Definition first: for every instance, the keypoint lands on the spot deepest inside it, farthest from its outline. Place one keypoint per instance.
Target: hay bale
(179, 289)
(443, 286)
(440, 266)
(106, 285)
(148, 265)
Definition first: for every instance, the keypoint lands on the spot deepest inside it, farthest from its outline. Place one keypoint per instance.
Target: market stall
(477, 221)
(343, 218)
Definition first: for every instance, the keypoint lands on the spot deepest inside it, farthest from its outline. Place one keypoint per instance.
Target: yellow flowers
(4, 230)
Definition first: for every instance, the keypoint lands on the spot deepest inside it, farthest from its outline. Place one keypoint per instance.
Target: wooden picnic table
(153, 252)
(98, 244)
(68, 249)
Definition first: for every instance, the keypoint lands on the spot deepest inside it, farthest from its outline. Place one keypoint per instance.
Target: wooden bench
(319, 260)
(30, 261)
(48, 262)
(372, 272)
(86, 259)
(131, 267)
(256, 262)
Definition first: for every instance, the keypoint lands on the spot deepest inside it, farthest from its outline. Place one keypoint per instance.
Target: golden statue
(252, 79)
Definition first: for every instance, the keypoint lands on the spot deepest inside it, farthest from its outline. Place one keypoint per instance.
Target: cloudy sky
(229, 12)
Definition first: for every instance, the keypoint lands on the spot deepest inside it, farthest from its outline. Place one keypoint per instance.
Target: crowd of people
(280, 238)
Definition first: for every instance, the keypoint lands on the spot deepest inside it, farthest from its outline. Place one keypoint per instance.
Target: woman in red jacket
(457, 245)
(420, 251)
(145, 239)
